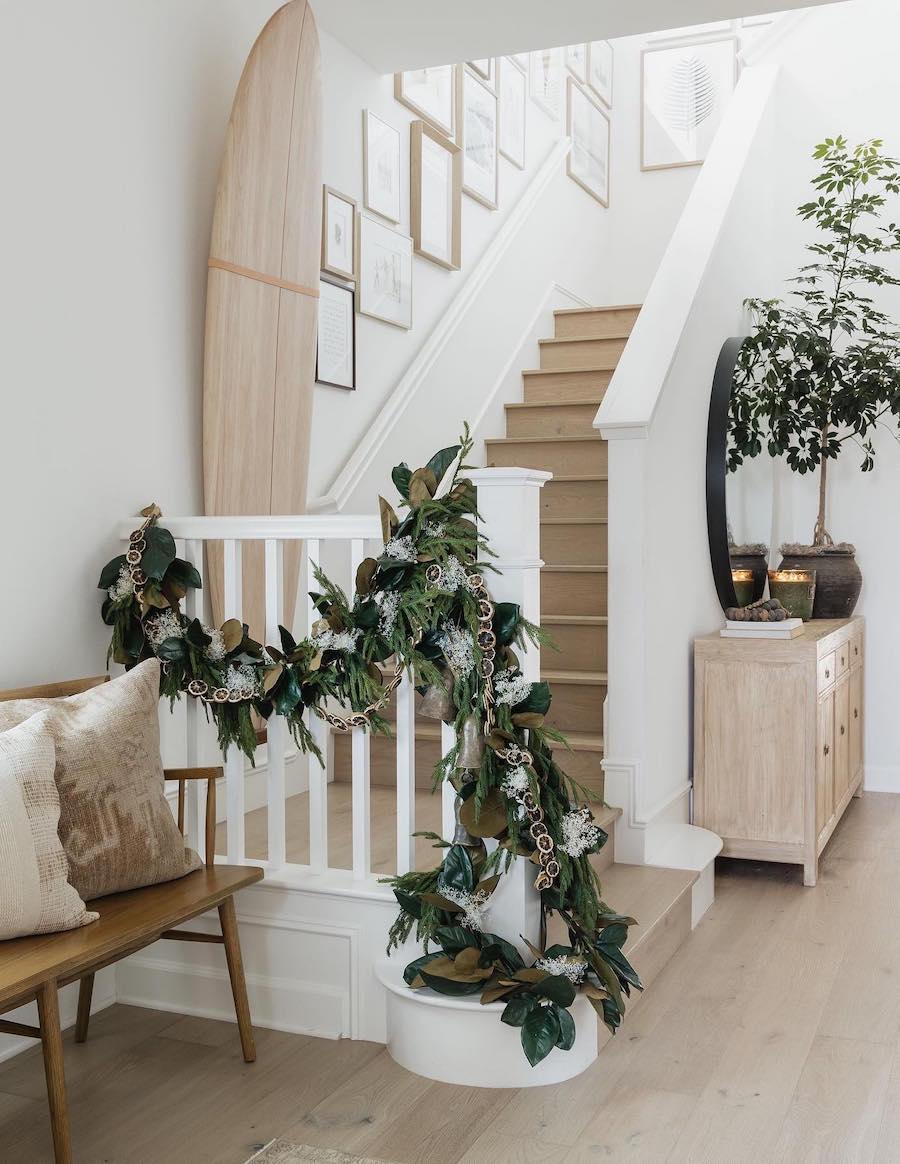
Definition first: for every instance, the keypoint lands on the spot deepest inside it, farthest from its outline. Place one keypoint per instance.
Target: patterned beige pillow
(115, 824)
(35, 894)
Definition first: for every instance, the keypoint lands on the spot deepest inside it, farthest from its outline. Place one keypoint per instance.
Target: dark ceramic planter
(838, 579)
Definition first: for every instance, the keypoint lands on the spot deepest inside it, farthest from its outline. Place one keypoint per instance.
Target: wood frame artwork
(577, 92)
(467, 76)
(349, 289)
(401, 94)
(328, 193)
(423, 139)
(387, 141)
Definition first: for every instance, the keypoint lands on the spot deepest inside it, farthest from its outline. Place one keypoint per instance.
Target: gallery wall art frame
(545, 81)
(333, 249)
(576, 61)
(477, 117)
(427, 204)
(486, 68)
(724, 47)
(381, 167)
(431, 95)
(600, 70)
(580, 159)
(384, 272)
(330, 290)
(512, 92)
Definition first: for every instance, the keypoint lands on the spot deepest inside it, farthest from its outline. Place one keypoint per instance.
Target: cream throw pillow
(115, 824)
(35, 894)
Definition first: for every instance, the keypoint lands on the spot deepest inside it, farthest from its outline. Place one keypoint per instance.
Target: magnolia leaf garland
(423, 604)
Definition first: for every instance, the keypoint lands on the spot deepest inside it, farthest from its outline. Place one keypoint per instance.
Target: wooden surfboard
(262, 300)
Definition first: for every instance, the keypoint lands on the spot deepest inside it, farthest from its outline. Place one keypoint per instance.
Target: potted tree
(821, 370)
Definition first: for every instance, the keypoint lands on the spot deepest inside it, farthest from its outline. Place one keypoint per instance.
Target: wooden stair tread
(610, 367)
(544, 440)
(575, 619)
(574, 520)
(581, 339)
(578, 477)
(646, 893)
(575, 569)
(593, 310)
(548, 404)
(584, 678)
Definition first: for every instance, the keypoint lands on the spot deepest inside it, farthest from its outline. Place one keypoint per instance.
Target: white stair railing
(508, 503)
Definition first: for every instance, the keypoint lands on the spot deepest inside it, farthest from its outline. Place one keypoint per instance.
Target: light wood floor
(772, 1035)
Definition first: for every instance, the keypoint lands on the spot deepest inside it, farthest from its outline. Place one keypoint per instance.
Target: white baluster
(313, 557)
(318, 794)
(234, 759)
(276, 733)
(193, 608)
(448, 793)
(406, 775)
(362, 821)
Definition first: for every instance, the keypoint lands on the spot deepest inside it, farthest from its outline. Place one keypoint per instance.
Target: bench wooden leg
(51, 1041)
(85, 993)
(228, 920)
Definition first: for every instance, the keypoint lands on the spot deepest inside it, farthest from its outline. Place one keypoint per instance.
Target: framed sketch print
(435, 195)
(485, 68)
(588, 126)
(546, 80)
(685, 89)
(381, 167)
(600, 70)
(431, 94)
(336, 348)
(384, 264)
(576, 61)
(477, 136)
(338, 233)
(512, 91)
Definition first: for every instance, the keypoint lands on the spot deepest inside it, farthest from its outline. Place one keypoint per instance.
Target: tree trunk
(821, 536)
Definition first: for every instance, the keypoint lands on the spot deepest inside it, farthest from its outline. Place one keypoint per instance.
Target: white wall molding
(415, 379)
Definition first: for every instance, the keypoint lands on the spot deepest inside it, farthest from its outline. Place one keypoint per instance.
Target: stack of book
(789, 629)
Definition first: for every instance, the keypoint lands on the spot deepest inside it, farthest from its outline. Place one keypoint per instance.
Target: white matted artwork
(685, 89)
(477, 136)
(430, 93)
(545, 74)
(600, 70)
(588, 126)
(336, 347)
(381, 166)
(435, 195)
(485, 67)
(338, 233)
(576, 60)
(513, 94)
(385, 272)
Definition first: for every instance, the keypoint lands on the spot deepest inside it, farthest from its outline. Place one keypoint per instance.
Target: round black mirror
(738, 503)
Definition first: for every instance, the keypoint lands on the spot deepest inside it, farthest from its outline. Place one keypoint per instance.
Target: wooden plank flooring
(773, 1035)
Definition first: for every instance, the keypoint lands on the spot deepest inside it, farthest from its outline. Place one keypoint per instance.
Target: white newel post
(457, 1040)
(509, 503)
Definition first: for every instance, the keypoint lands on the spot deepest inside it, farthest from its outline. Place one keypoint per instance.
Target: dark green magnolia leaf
(288, 642)
(400, 475)
(366, 615)
(381, 649)
(196, 635)
(612, 1015)
(453, 987)
(507, 616)
(441, 461)
(408, 903)
(133, 638)
(108, 613)
(286, 694)
(557, 988)
(615, 935)
(172, 650)
(622, 968)
(455, 938)
(159, 553)
(566, 1040)
(184, 574)
(457, 871)
(518, 1009)
(498, 949)
(558, 951)
(110, 572)
(538, 700)
(540, 1032)
(412, 970)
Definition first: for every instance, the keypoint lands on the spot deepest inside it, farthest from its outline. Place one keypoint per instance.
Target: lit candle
(795, 590)
(742, 580)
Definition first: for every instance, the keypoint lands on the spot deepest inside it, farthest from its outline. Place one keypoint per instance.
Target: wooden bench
(35, 968)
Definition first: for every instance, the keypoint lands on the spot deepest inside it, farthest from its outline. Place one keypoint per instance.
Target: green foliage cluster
(821, 371)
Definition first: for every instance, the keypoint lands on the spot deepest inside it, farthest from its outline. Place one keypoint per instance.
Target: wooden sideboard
(778, 739)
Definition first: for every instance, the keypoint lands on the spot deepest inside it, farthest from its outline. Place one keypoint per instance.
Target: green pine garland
(422, 602)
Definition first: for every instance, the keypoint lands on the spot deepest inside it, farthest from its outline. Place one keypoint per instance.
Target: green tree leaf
(540, 1032)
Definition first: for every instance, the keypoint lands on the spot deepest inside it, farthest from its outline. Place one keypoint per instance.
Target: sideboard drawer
(856, 650)
(842, 657)
(826, 670)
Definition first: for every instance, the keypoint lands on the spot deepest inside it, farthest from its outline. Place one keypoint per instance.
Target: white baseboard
(881, 778)
(104, 995)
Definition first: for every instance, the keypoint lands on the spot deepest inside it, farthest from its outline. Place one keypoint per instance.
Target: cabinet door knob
(827, 673)
(856, 713)
(842, 660)
(856, 650)
(842, 729)
(826, 749)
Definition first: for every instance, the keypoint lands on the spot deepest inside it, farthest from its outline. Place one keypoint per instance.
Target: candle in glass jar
(742, 580)
(795, 590)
